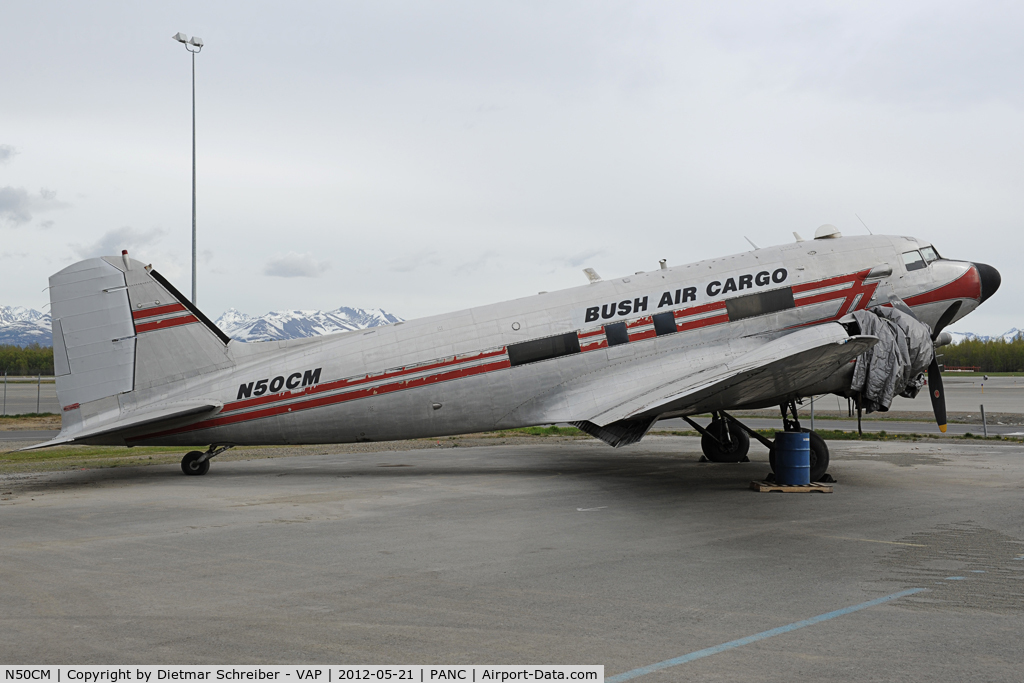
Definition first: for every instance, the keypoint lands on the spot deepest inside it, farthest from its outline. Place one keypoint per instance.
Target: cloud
(113, 241)
(477, 263)
(17, 205)
(295, 265)
(925, 53)
(410, 262)
(7, 153)
(582, 257)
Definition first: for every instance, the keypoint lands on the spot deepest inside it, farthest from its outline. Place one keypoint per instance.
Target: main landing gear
(196, 463)
(726, 439)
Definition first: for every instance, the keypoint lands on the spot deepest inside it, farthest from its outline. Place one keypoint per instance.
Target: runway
(21, 397)
(553, 553)
(964, 395)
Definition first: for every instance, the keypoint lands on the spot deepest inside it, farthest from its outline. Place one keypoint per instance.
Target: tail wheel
(736, 451)
(191, 465)
(819, 455)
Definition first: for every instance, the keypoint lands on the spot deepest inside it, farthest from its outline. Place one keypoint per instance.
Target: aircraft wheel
(819, 456)
(191, 466)
(737, 451)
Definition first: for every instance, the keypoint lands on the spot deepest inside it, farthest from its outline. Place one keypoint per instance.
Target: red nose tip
(990, 279)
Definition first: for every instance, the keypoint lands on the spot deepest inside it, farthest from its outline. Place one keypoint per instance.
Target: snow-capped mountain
(278, 325)
(1008, 336)
(20, 326)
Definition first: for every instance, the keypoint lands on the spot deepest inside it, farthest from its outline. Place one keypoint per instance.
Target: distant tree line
(26, 360)
(995, 355)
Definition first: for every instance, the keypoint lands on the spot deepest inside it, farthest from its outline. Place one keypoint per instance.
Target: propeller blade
(902, 307)
(944, 319)
(937, 395)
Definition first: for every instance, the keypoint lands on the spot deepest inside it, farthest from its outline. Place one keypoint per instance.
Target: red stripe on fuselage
(829, 282)
(351, 382)
(967, 286)
(157, 310)
(335, 399)
(164, 324)
(703, 322)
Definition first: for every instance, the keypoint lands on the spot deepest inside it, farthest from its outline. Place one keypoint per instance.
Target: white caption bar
(312, 674)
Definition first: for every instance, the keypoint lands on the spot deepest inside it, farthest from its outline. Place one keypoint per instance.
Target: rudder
(121, 334)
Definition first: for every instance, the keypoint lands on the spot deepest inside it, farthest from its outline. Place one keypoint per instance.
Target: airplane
(137, 364)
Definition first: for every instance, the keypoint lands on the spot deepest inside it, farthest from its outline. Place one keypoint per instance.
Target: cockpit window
(930, 254)
(913, 260)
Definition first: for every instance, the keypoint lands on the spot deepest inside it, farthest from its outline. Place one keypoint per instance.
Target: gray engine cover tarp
(904, 351)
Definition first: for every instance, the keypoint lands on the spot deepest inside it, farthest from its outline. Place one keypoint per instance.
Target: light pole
(196, 43)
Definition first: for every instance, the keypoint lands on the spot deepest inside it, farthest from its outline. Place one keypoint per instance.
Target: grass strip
(21, 415)
(553, 430)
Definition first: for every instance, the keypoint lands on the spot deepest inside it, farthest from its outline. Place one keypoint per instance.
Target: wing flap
(177, 412)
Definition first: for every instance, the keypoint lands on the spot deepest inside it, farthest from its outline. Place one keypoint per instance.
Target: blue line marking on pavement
(954, 578)
(707, 652)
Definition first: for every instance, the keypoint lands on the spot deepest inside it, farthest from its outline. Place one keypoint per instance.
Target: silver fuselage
(458, 372)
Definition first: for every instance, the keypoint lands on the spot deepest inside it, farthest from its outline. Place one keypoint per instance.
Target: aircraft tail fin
(120, 327)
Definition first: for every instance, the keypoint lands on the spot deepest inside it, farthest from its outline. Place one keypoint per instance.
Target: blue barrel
(792, 458)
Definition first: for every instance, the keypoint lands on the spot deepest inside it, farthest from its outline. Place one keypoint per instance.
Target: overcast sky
(427, 157)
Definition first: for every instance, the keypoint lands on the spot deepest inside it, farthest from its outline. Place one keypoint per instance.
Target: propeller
(936, 394)
(935, 391)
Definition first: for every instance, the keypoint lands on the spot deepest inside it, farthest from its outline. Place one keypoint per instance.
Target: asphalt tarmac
(567, 552)
(26, 435)
(870, 426)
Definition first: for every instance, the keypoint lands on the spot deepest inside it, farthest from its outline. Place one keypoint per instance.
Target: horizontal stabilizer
(178, 412)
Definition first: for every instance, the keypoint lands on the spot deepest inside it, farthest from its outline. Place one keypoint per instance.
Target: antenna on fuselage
(751, 242)
(864, 224)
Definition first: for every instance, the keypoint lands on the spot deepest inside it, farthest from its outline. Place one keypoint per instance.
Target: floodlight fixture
(180, 37)
(196, 41)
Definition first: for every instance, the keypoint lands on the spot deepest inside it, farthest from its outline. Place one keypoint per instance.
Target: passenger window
(543, 349)
(664, 323)
(616, 334)
(761, 303)
(930, 254)
(913, 261)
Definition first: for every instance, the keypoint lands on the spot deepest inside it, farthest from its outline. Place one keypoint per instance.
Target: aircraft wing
(170, 414)
(775, 369)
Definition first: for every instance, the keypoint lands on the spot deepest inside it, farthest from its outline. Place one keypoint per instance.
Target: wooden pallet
(763, 486)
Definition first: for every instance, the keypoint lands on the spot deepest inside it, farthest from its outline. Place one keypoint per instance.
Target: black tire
(819, 456)
(191, 466)
(737, 452)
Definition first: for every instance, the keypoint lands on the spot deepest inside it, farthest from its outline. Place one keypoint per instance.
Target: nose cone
(990, 280)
